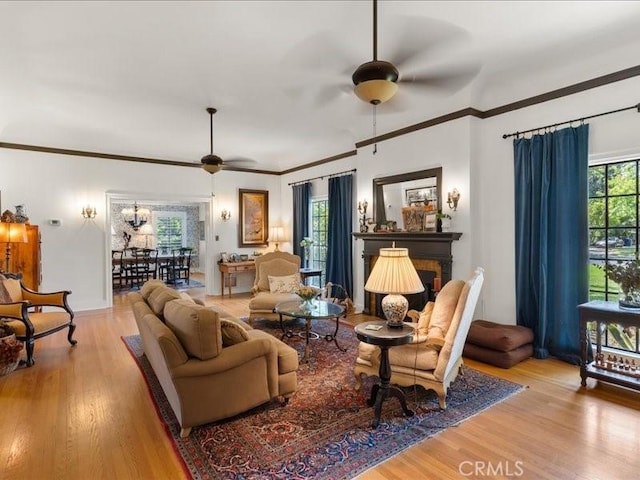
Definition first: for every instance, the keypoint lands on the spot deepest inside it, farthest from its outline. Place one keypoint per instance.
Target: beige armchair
(278, 265)
(434, 357)
(22, 308)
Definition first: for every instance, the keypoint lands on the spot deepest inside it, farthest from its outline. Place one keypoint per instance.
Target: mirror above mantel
(419, 191)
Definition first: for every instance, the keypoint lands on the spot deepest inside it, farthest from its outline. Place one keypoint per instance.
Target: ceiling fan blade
(331, 93)
(449, 79)
(420, 37)
(319, 52)
(240, 161)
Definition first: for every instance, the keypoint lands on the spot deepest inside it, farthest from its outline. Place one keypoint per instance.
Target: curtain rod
(321, 177)
(507, 135)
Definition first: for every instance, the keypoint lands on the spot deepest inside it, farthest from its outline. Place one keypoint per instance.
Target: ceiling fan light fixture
(211, 163)
(376, 92)
(375, 81)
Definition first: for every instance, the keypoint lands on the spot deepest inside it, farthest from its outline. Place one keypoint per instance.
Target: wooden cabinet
(25, 258)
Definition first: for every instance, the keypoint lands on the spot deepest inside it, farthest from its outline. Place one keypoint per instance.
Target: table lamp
(146, 230)
(276, 236)
(12, 233)
(395, 275)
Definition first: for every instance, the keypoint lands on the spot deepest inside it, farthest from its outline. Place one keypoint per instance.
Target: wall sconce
(452, 199)
(225, 214)
(362, 210)
(89, 212)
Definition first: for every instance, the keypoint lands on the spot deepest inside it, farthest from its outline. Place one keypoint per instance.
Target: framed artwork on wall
(254, 218)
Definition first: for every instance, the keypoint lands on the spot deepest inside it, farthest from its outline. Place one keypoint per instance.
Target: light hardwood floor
(85, 413)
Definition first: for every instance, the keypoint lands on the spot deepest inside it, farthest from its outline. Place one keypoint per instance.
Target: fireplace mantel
(409, 237)
(422, 246)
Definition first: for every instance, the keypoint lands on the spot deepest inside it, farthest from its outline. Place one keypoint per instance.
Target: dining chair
(117, 268)
(180, 266)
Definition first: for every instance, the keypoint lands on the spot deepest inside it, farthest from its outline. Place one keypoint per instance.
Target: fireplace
(430, 253)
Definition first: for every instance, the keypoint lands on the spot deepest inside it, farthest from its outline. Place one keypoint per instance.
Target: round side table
(379, 334)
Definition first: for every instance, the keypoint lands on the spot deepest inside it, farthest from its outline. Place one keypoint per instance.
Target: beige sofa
(210, 365)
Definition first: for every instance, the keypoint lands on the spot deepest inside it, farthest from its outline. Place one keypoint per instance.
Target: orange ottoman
(499, 345)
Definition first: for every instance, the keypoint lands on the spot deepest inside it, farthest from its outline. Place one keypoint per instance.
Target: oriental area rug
(325, 431)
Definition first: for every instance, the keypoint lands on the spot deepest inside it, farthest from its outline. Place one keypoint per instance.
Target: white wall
(474, 157)
(479, 162)
(74, 254)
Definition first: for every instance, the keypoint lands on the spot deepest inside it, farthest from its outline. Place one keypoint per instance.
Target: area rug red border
(325, 431)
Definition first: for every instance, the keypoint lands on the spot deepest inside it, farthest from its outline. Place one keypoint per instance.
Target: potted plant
(626, 273)
(439, 221)
(10, 349)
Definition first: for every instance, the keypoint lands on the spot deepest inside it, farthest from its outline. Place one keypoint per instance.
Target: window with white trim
(170, 229)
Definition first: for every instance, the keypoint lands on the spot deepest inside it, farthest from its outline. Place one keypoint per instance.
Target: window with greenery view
(613, 234)
(170, 230)
(319, 222)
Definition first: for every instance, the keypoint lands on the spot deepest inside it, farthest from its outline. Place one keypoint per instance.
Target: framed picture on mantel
(254, 218)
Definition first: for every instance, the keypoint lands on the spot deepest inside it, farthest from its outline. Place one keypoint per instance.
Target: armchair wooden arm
(31, 325)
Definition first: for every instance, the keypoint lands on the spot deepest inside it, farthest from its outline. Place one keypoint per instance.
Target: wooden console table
(229, 269)
(604, 313)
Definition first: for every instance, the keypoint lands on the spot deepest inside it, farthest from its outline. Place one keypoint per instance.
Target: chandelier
(136, 216)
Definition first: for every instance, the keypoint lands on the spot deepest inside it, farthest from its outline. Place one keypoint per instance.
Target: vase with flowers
(10, 349)
(307, 294)
(306, 243)
(626, 273)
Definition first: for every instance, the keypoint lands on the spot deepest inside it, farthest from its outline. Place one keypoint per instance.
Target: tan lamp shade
(276, 235)
(13, 232)
(394, 273)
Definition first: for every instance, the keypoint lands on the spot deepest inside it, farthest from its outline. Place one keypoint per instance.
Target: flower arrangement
(306, 242)
(626, 273)
(307, 293)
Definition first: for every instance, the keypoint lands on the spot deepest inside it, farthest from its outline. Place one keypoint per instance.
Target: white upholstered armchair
(434, 357)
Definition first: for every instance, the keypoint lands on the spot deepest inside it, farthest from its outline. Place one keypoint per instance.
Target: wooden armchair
(434, 357)
(22, 308)
(275, 265)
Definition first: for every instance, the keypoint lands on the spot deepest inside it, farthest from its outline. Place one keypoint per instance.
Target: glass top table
(311, 310)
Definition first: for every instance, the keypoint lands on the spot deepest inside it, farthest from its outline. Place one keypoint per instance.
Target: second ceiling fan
(213, 163)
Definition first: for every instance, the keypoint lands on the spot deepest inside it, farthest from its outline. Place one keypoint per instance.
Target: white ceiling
(134, 78)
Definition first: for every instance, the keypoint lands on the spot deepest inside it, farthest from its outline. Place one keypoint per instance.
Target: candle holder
(362, 210)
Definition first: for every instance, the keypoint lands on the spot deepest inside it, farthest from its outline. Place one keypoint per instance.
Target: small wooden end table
(378, 333)
(308, 273)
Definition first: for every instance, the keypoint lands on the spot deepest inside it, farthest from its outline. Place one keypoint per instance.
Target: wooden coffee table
(385, 338)
(316, 310)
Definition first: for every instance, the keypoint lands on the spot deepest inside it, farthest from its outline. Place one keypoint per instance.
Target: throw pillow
(443, 310)
(286, 284)
(425, 318)
(232, 333)
(4, 293)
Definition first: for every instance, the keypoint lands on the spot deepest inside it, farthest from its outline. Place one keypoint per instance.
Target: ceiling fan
(213, 163)
(376, 81)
